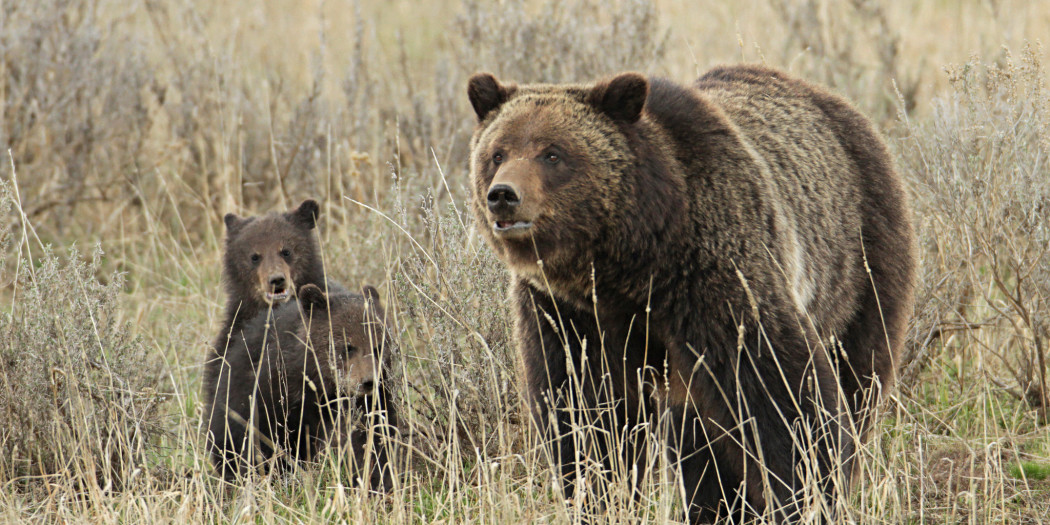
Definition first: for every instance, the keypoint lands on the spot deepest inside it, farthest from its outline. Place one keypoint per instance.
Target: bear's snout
(276, 288)
(277, 283)
(503, 199)
(510, 212)
(359, 375)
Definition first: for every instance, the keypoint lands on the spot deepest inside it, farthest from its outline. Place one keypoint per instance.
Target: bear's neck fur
(657, 233)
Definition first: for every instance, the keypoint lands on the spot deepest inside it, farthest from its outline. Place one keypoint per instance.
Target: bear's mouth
(278, 295)
(511, 228)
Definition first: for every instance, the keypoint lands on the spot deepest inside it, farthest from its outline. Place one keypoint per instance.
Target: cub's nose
(277, 283)
(367, 387)
(503, 198)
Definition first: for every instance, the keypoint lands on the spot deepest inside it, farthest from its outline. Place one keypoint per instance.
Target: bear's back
(798, 165)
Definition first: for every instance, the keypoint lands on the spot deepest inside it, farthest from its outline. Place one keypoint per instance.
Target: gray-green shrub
(78, 392)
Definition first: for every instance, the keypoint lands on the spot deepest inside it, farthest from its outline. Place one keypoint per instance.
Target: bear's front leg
(574, 400)
(761, 433)
(226, 417)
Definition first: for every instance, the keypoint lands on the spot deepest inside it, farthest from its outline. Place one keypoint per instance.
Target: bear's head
(349, 336)
(268, 256)
(552, 168)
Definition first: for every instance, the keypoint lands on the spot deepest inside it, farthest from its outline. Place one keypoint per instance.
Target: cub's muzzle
(277, 289)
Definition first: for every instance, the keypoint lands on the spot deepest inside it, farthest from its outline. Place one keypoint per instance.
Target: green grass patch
(1030, 470)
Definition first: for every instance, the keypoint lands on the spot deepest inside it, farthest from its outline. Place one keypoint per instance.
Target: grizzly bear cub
(266, 259)
(733, 259)
(298, 381)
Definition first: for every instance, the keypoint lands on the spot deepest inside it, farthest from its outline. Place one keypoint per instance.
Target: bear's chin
(520, 257)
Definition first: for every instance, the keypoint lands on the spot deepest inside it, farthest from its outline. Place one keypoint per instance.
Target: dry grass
(136, 126)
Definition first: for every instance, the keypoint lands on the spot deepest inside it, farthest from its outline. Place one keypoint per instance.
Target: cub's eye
(497, 158)
(350, 349)
(256, 258)
(286, 253)
(551, 158)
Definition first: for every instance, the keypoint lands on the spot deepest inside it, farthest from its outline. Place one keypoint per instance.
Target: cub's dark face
(349, 335)
(546, 163)
(267, 256)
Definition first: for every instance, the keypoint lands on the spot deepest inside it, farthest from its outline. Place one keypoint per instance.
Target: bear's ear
(373, 304)
(312, 295)
(233, 222)
(487, 94)
(371, 294)
(306, 214)
(622, 97)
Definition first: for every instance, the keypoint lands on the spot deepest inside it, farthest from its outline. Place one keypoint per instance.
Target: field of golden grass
(130, 128)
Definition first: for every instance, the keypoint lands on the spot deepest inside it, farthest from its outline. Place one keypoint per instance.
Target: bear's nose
(277, 282)
(367, 387)
(503, 198)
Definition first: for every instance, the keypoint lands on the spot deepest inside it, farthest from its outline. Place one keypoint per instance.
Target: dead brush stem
(982, 161)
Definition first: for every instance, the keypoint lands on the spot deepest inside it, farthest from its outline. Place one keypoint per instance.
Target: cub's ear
(233, 222)
(371, 294)
(622, 97)
(374, 307)
(312, 295)
(306, 214)
(487, 94)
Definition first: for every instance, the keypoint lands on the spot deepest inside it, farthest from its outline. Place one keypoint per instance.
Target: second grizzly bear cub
(292, 385)
(736, 254)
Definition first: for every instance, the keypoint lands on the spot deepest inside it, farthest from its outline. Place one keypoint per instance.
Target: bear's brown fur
(297, 376)
(707, 246)
(266, 259)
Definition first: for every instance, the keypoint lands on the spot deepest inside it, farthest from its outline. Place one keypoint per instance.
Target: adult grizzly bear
(737, 254)
(299, 377)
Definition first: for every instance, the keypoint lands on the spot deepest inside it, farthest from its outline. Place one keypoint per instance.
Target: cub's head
(349, 335)
(268, 256)
(548, 165)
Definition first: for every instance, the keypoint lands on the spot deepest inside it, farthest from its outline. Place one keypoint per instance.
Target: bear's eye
(286, 253)
(350, 349)
(551, 158)
(256, 258)
(497, 158)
